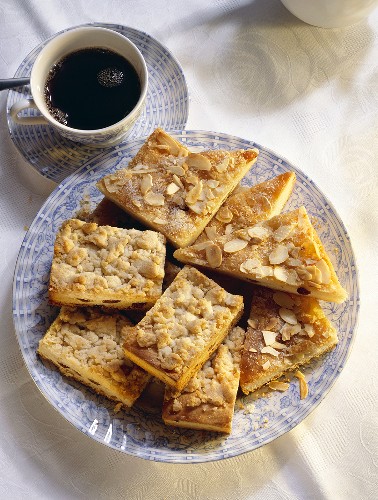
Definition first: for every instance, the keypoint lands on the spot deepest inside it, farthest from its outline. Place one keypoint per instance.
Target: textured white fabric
(253, 71)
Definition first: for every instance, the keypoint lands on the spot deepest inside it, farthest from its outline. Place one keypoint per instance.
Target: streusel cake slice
(285, 331)
(86, 345)
(208, 400)
(173, 190)
(105, 265)
(183, 328)
(284, 253)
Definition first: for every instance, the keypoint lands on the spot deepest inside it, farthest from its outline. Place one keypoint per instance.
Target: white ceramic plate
(56, 157)
(137, 432)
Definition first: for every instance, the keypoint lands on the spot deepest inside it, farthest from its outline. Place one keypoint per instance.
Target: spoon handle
(10, 83)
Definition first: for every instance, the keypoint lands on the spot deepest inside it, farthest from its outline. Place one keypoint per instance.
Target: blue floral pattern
(256, 421)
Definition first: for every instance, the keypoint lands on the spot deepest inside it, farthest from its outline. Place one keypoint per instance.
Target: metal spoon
(10, 83)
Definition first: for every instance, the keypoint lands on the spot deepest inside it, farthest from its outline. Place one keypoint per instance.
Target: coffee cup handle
(21, 105)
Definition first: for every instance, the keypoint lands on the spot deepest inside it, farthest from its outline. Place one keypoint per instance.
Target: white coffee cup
(54, 51)
(330, 13)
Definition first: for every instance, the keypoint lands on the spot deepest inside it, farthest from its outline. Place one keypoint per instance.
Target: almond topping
(174, 148)
(251, 349)
(234, 245)
(309, 329)
(224, 214)
(202, 246)
(258, 233)
(250, 266)
(212, 183)
(146, 184)
(158, 220)
(177, 181)
(154, 199)
(324, 270)
(280, 273)
(276, 385)
(287, 331)
(172, 188)
(252, 323)
(282, 233)
(194, 193)
(198, 161)
(221, 167)
(269, 337)
(176, 170)
(228, 229)
(266, 365)
(288, 315)
(283, 299)
(278, 255)
(214, 255)
(316, 275)
(211, 232)
(303, 387)
(269, 350)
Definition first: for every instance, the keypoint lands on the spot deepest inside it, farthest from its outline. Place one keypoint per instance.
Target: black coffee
(91, 89)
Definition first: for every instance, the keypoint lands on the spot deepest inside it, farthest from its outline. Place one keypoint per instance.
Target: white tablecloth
(254, 71)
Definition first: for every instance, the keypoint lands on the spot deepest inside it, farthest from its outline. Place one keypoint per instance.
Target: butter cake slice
(207, 402)
(86, 345)
(252, 204)
(285, 331)
(284, 253)
(105, 265)
(175, 191)
(184, 327)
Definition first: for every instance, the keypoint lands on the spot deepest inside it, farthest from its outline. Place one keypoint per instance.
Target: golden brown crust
(283, 253)
(174, 191)
(183, 329)
(86, 345)
(207, 402)
(104, 265)
(285, 331)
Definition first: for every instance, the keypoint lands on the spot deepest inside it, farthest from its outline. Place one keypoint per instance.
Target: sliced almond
(252, 323)
(309, 329)
(288, 315)
(212, 183)
(269, 350)
(214, 255)
(112, 183)
(137, 203)
(278, 255)
(283, 299)
(197, 208)
(192, 179)
(282, 233)
(272, 323)
(316, 275)
(280, 273)
(266, 365)
(198, 161)
(264, 271)
(324, 270)
(159, 221)
(276, 385)
(146, 184)
(293, 262)
(278, 345)
(235, 245)
(174, 148)
(259, 233)
(201, 246)
(250, 265)
(177, 181)
(172, 188)
(228, 229)
(176, 170)
(224, 214)
(154, 199)
(194, 193)
(251, 349)
(292, 277)
(211, 233)
(288, 331)
(303, 387)
(269, 337)
(222, 165)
